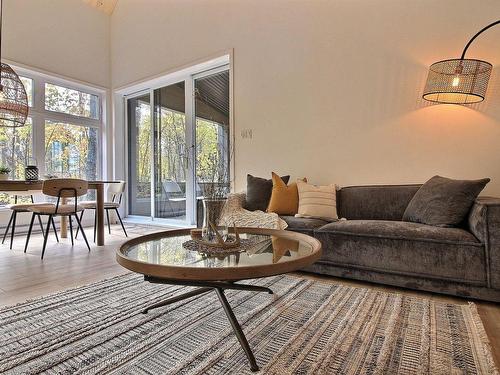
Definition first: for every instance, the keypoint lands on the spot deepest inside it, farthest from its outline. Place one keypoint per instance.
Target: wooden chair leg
(107, 219)
(77, 228)
(13, 229)
(29, 231)
(8, 226)
(121, 222)
(51, 220)
(95, 224)
(82, 231)
(71, 230)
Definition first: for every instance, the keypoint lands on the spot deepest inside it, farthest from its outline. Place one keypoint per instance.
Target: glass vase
(212, 213)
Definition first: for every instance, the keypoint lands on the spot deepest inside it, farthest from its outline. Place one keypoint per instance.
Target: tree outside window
(70, 150)
(15, 153)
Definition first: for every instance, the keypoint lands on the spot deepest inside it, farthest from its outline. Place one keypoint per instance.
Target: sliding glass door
(212, 133)
(139, 155)
(178, 147)
(171, 154)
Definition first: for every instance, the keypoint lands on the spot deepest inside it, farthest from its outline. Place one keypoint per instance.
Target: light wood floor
(25, 276)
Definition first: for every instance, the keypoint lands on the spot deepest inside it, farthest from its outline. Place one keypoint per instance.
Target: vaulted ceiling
(106, 6)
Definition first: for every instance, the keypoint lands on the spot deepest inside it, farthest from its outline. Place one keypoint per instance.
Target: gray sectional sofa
(374, 245)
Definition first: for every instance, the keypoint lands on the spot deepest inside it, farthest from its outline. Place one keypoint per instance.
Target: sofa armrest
(234, 213)
(484, 223)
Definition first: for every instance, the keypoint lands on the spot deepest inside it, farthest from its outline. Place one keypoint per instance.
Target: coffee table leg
(204, 287)
(237, 329)
(250, 288)
(178, 298)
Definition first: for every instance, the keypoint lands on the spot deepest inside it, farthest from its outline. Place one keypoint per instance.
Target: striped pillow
(317, 201)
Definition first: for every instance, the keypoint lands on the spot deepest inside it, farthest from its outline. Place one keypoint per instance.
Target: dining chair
(115, 190)
(18, 208)
(62, 189)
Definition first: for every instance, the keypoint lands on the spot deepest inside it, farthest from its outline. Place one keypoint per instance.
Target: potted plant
(4, 172)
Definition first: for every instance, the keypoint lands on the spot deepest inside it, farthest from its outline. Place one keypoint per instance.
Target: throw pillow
(443, 202)
(284, 199)
(259, 192)
(317, 201)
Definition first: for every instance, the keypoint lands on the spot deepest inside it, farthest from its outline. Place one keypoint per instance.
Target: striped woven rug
(307, 327)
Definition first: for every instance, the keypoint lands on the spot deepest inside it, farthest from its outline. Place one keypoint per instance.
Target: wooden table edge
(173, 272)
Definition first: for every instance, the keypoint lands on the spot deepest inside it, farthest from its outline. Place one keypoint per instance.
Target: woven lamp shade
(457, 81)
(13, 99)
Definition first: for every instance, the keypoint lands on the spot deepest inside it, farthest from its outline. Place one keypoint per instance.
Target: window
(73, 102)
(70, 150)
(16, 147)
(62, 134)
(212, 146)
(211, 93)
(139, 116)
(28, 86)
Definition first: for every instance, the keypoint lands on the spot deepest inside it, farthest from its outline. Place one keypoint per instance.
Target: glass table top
(259, 250)
(265, 252)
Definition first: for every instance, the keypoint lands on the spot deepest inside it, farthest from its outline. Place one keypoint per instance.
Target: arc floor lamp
(459, 81)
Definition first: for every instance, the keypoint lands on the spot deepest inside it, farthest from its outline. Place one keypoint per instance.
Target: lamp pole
(470, 41)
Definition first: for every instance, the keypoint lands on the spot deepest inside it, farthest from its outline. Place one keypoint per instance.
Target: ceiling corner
(106, 6)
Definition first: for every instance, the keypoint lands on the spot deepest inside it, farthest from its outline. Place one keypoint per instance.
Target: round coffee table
(163, 258)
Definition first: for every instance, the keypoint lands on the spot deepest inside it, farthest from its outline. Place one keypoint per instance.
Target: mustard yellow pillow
(284, 199)
(282, 246)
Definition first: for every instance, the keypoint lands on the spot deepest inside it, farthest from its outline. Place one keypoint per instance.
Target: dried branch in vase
(214, 175)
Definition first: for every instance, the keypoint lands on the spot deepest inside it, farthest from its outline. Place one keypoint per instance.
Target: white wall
(66, 37)
(331, 88)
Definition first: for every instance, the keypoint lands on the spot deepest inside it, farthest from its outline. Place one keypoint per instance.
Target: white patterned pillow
(317, 201)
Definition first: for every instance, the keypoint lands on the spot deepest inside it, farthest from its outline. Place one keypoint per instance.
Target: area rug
(307, 327)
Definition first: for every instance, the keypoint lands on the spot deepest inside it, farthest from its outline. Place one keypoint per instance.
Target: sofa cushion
(375, 202)
(317, 201)
(259, 192)
(401, 230)
(284, 198)
(404, 248)
(444, 202)
(303, 225)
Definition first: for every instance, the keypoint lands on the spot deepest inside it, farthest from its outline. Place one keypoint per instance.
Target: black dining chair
(62, 188)
(18, 208)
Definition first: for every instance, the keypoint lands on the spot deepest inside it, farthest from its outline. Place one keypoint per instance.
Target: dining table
(7, 186)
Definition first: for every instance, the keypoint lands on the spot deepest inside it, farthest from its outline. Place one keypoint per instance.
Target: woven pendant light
(13, 99)
(459, 81)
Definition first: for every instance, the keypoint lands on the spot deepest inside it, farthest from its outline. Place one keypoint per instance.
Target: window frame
(40, 115)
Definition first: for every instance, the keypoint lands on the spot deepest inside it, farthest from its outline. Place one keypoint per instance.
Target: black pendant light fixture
(13, 99)
(459, 81)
